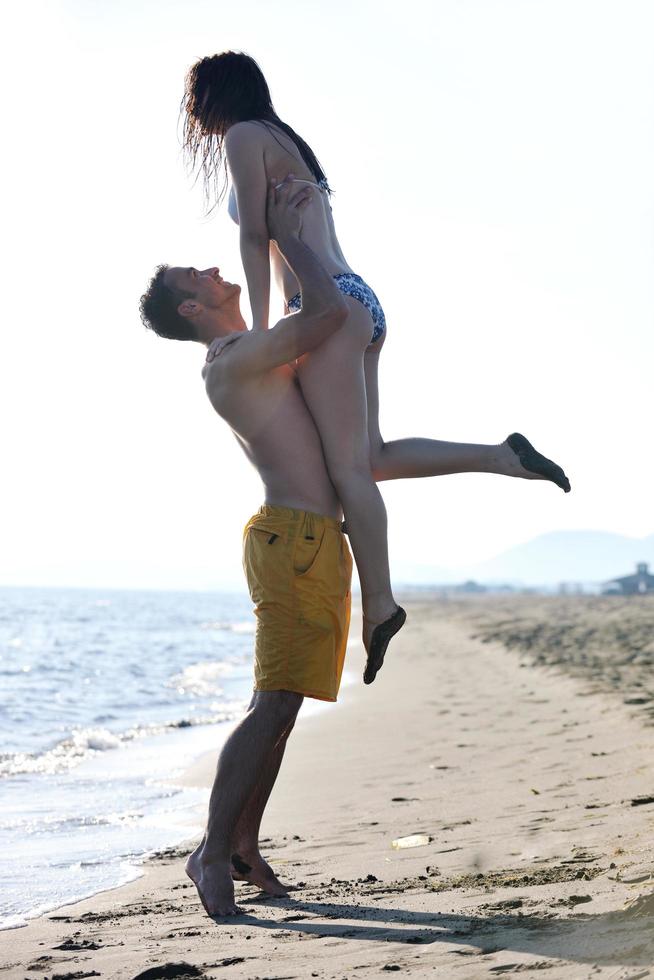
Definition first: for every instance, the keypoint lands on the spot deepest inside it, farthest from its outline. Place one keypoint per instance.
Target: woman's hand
(284, 208)
(217, 346)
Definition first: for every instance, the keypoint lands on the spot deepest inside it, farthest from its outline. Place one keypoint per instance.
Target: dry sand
(607, 641)
(536, 792)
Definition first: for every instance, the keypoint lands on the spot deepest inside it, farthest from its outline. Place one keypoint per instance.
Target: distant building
(638, 584)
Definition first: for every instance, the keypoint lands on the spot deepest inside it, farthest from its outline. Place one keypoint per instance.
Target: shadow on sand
(624, 937)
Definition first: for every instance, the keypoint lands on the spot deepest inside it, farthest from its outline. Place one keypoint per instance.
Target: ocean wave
(52, 824)
(84, 743)
(15, 671)
(201, 678)
(246, 626)
(120, 874)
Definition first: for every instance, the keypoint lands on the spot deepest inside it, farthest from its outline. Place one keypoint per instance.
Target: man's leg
(247, 862)
(242, 760)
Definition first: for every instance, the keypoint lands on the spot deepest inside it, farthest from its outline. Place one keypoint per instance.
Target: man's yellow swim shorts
(298, 568)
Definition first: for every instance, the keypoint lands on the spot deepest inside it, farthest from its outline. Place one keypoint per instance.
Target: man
(297, 562)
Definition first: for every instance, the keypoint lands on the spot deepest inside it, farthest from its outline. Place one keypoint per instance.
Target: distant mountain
(567, 556)
(559, 556)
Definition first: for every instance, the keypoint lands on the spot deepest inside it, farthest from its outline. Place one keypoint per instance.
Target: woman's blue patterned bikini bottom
(352, 285)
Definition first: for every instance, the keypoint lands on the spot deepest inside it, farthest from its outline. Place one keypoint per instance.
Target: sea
(105, 697)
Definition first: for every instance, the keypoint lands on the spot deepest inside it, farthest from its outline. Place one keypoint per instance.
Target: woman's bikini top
(232, 207)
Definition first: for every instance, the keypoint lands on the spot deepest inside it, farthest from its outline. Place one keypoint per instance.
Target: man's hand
(217, 346)
(284, 208)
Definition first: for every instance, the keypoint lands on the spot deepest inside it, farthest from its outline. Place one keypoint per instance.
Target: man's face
(207, 286)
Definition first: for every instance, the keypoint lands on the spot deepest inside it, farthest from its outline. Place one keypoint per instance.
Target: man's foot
(379, 640)
(214, 883)
(537, 467)
(258, 872)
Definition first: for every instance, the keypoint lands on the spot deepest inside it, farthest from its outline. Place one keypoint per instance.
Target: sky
(492, 164)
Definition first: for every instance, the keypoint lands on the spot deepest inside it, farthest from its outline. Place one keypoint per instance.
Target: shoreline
(522, 782)
(187, 815)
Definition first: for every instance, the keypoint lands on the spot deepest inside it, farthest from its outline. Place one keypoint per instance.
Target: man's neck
(221, 326)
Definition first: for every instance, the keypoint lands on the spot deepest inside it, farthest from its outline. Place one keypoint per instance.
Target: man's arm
(323, 308)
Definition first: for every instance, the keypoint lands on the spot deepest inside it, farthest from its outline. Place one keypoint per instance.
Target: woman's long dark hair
(221, 90)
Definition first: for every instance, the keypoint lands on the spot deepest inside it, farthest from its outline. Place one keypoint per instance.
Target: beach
(528, 782)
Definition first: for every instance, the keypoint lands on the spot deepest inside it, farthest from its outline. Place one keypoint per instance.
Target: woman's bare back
(281, 156)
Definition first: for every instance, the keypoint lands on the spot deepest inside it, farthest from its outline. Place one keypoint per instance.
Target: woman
(231, 122)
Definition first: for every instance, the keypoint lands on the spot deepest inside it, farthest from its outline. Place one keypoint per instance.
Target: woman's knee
(350, 476)
(377, 460)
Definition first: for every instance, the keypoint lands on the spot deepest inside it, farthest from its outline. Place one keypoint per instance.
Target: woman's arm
(244, 149)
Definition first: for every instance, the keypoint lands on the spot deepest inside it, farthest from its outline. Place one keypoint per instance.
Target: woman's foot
(380, 635)
(377, 608)
(213, 881)
(253, 868)
(531, 465)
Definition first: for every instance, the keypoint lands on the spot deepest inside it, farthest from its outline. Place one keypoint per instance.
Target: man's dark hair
(158, 308)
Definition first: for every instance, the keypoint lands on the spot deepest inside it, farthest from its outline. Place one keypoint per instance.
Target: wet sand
(531, 785)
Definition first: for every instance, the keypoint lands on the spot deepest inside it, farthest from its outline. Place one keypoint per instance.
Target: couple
(302, 400)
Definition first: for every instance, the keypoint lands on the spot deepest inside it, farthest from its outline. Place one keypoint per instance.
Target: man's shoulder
(229, 363)
(249, 353)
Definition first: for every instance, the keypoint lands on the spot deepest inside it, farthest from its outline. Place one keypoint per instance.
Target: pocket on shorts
(265, 561)
(306, 551)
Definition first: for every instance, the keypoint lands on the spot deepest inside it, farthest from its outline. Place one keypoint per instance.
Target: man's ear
(189, 308)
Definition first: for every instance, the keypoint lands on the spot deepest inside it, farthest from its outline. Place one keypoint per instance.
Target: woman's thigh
(334, 387)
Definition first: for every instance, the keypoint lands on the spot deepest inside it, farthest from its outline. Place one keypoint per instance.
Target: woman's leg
(333, 384)
(404, 459)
